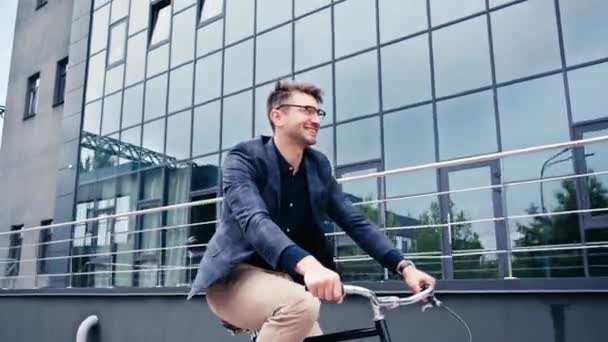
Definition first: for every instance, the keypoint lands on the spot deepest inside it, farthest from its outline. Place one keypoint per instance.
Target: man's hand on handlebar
(322, 282)
(416, 279)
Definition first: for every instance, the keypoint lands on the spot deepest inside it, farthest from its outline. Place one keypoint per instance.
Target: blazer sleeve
(365, 233)
(242, 196)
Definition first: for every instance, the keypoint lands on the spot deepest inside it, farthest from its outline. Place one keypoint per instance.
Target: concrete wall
(30, 149)
(496, 318)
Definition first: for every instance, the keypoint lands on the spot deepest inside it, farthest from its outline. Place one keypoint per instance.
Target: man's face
(298, 119)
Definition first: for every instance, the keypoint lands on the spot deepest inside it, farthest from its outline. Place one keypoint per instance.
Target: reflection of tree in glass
(99, 160)
(559, 229)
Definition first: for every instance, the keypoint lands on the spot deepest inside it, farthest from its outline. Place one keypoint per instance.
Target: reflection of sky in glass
(443, 11)
(351, 148)
(530, 46)
(466, 126)
(585, 30)
(461, 56)
(588, 92)
(399, 18)
(408, 141)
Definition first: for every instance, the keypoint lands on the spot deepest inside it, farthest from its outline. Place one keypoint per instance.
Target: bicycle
(377, 303)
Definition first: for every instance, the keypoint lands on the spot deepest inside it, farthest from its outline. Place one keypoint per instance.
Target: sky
(8, 13)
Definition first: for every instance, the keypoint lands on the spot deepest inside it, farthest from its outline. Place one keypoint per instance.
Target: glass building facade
(172, 85)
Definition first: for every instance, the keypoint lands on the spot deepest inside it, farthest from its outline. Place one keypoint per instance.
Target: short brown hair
(282, 92)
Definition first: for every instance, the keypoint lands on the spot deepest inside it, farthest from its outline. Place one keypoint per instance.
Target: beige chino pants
(252, 298)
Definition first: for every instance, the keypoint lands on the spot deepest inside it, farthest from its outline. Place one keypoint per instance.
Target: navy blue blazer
(251, 187)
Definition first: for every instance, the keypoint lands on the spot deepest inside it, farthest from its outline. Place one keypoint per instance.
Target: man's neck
(290, 151)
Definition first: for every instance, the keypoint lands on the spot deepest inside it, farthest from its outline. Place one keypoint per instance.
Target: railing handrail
(455, 162)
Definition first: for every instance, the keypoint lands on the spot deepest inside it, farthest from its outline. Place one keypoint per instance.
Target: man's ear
(276, 117)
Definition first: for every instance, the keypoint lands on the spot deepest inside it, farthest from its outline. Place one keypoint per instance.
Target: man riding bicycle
(269, 244)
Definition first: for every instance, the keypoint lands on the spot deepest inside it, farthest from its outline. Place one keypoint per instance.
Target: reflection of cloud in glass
(399, 18)
(443, 11)
(273, 54)
(355, 18)
(351, 148)
(406, 72)
(408, 141)
(585, 30)
(532, 113)
(588, 92)
(357, 86)
(461, 56)
(466, 126)
(525, 39)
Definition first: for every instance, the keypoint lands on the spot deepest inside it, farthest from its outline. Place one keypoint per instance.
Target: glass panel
(322, 78)
(126, 200)
(96, 75)
(272, 12)
(111, 113)
(92, 117)
(399, 18)
(179, 5)
(313, 39)
(209, 38)
(238, 68)
(262, 125)
(204, 175)
(355, 18)
(305, 6)
(354, 77)
(211, 9)
(409, 140)
(443, 11)
(585, 30)
(98, 3)
(118, 35)
(462, 58)
(120, 9)
(529, 47)
(152, 184)
(466, 126)
(99, 34)
(180, 88)
(537, 103)
(156, 97)
(147, 261)
(207, 129)
(539, 198)
(158, 60)
(359, 191)
(467, 206)
(208, 78)
(182, 37)
(239, 19)
(587, 92)
(139, 16)
(406, 72)
(154, 136)
(596, 160)
(325, 143)
(410, 228)
(132, 106)
(496, 3)
(178, 135)
(162, 26)
(273, 54)
(351, 148)
(178, 192)
(136, 59)
(114, 79)
(132, 138)
(237, 119)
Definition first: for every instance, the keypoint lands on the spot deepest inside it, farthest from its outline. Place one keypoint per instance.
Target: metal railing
(186, 264)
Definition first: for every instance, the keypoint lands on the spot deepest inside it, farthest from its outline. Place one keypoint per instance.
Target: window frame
(45, 236)
(14, 251)
(41, 3)
(155, 7)
(123, 58)
(28, 113)
(61, 73)
(199, 13)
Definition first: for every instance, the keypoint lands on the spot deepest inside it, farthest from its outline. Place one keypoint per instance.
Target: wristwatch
(403, 264)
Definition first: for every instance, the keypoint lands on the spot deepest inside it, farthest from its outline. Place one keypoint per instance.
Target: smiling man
(269, 243)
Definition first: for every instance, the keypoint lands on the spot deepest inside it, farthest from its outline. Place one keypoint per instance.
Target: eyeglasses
(310, 110)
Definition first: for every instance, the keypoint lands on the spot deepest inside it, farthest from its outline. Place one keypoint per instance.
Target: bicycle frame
(380, 329)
